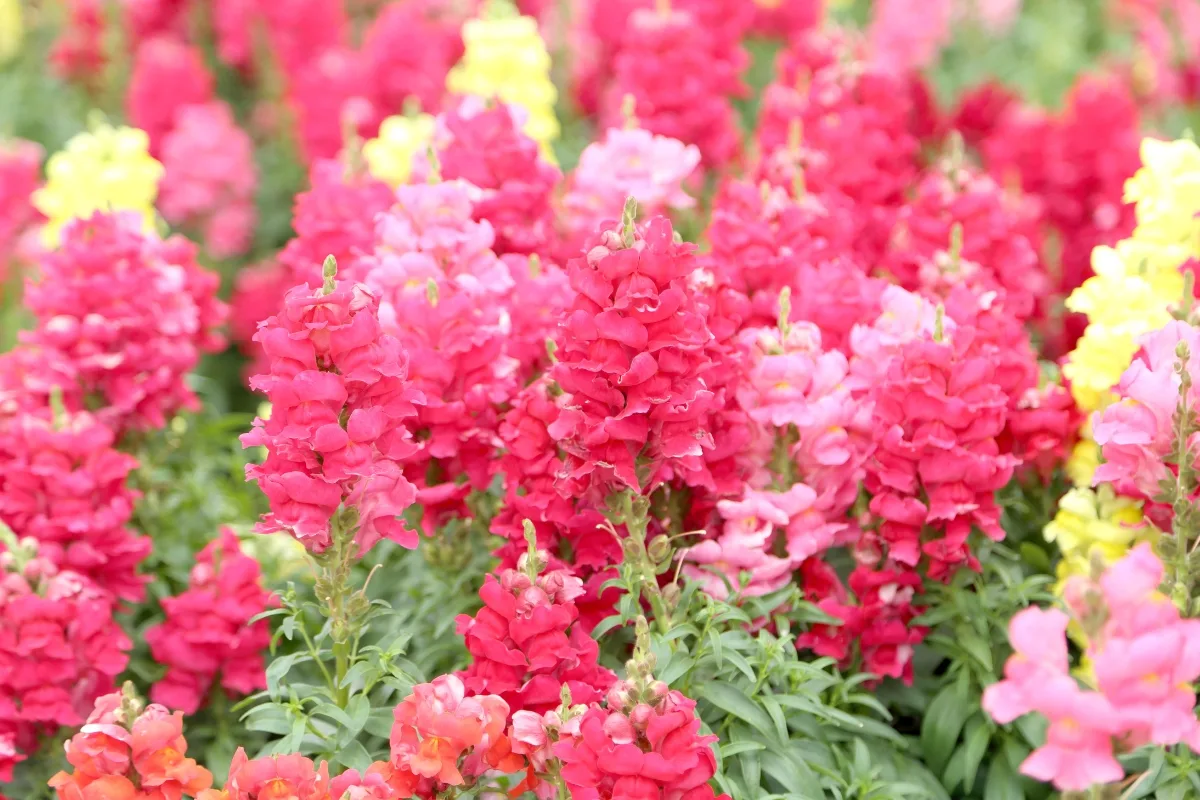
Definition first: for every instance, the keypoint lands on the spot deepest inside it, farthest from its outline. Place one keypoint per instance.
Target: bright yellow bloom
(506, 58)
(1081, 464)
(1121, 305)
(106, 169)
(1095, 523)
(11, 29)
(1166, 191)
(390, 155)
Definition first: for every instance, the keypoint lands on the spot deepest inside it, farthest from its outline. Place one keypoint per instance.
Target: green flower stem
(339, 600)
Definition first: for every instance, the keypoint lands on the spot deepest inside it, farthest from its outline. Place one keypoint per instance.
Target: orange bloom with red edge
(437, 725)
(286, 777)
(115, 758)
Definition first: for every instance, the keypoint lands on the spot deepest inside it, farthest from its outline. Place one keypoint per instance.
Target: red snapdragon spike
(682, 75)
(78, 52)
(526, 643)
(20, 175)
(207, 636)
(409, 48)
(938, 411)
(1077, 176)
(633, 350)
(962, 228)
(60, 647)
(836, 124)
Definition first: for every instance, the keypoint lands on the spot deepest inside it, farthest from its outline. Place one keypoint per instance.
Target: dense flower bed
(630, 399)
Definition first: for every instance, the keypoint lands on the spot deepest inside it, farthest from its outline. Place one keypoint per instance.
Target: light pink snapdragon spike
(1136, 434)
(1144, 656)
(628, 162)
(337, 434)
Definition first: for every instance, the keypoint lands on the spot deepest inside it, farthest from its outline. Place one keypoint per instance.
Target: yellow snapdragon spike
(390, 155)
(1121, 305)
(1082, 463)
(1166, 191)
(11, 29)
(506, 58)
(105, 169)
(1095, 523)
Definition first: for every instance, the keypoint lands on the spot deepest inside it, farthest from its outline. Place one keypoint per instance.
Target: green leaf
(354, 756)
(751, 771)
(979, 735)
(773, 708)
(729, 698)
(943, 723)
(291, 743)
(334, 713)
(379, 722)
(358, 709)
(733, 748)
(1002, 782)
(279, 668)
(605, 625)
(678, 666)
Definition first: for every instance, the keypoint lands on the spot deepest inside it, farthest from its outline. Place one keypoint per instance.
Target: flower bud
(660, 549)
(619, 696)
(641, 715)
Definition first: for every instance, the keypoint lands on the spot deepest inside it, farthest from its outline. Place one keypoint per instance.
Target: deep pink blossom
(132, 312)
(682, 75)
(209, 178)
(644, 751)
(207, 631)
(632, 354)
(340, 399)
(60, 647)
(526, 645)
(64, 485)
(168, 75)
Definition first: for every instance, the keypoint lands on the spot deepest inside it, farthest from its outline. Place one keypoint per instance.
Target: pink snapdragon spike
(60, 648)
(168, 75)
(207, 637)
(483, 144)
(644, 750)
(444, 295)
(907, 35)
(337, 434)
(65, 486)
(1144, 657)
(131, 312)
(682, 75)
(209, 178)
(627, 162)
